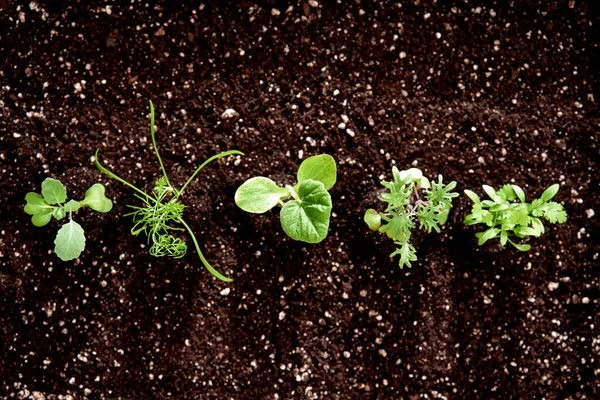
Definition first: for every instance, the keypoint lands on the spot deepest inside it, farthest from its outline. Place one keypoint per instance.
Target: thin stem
(114, 176)
(206, 264)
(162, 167)
(216, 156)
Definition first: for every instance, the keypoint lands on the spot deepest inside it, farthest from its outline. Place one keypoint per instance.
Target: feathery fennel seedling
(70, 239)
(411, 196)
(507, 219)
(305, 207)
(162, 208)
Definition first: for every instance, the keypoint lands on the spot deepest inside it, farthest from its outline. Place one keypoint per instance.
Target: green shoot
(70, 239)
(305, 207)
(508, 219)
(411, 198)
(162, 208)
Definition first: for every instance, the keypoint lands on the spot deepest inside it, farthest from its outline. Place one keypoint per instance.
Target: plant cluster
(508, 219)
(162, 208)
(70, 239)
(411, 198)
(305, 207)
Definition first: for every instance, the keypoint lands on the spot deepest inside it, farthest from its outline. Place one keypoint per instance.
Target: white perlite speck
(589, 213)
(553, 286)
(225, 291)
(230, 113)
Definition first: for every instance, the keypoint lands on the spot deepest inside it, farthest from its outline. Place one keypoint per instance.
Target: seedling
(70, 239)
(305, 207)
(507, 219)
(411, 196)
(162, 208)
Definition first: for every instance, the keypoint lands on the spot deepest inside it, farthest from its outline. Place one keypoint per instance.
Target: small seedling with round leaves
(411, 196)
(70, 239)
(162, 208)
(508, 219)
(305, 207)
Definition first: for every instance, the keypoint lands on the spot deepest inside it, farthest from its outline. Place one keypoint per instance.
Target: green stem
(114, 176)
(162, 167)
(216, 156)
(206, 264)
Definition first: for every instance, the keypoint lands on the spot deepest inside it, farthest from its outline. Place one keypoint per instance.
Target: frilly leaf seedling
(162, 208)
(70, 239)
(411, 198)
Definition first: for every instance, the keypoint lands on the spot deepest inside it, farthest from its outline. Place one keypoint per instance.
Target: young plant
(411, 197)
(507, 219)
(305, 207)
(162, 208)
(70, 239)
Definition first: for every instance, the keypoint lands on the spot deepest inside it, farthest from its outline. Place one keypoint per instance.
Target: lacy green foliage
(305, 207)
(70, 239)
(162, 209)
(506, 218)
(411, 198)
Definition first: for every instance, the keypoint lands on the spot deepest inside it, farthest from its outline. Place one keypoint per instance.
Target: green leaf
(41, 219)
(503, 237)
(407, 253)
(53, 191)
(96, 200)
(520, 247)
(373, 219)
(523, 231)
(36, 204)
(554, 213)
(59, 213)
(307, 219)
(70, 241)
(71, 206)
(487, 235)
(318, 168)
(492, 193)
(550, 193)
(519, 192)
(259, 194)
(473, 196)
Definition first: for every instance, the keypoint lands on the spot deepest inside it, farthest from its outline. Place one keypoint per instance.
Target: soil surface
(482, 94)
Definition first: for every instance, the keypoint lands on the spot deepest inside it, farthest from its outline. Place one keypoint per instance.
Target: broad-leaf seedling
(305, 207)
(70, 239)
(162, 208)
(411, 196)
(506, 218)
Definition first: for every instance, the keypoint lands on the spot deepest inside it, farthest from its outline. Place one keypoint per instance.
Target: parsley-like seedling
(508, 219)
(162, 208)
(305, 207)
(70, 239)
(411, 196)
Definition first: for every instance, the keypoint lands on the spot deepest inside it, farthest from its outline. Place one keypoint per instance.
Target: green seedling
(70, 239)
(410, 197)
(305, 207)
(508, 219)
(162, 208)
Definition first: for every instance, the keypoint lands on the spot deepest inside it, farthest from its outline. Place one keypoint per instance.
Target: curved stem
(162, 167)
(206, 264)
(216, 156)
(114, 176)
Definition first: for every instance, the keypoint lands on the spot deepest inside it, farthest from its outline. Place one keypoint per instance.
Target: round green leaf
(70, 241)
(259, 194)
(373, 219)
(550, 192)
(36, 204)
(41, 219)
(96, 200)
(307, 219)
(53, 191)
(318, 168)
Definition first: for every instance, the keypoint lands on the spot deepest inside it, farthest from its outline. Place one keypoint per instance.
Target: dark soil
(505, 92)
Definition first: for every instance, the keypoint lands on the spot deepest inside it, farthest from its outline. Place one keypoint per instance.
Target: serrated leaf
(550, 193)
(71, 206)
(373, 219)
(320, 168)
(96, 200)
(554, 213)
(407, 253)
(307, 219)
(259, 194)
(53, 191)
(70, 241)
(59, 213)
